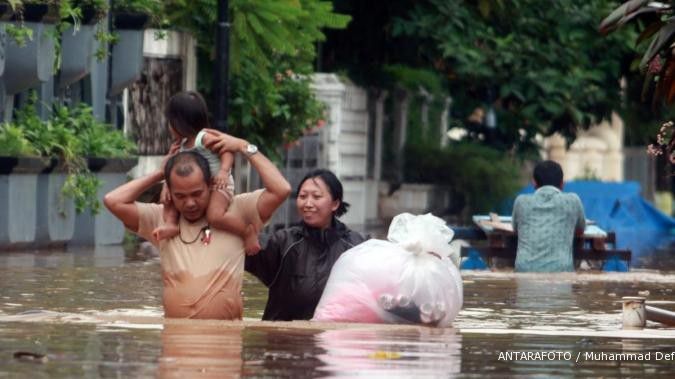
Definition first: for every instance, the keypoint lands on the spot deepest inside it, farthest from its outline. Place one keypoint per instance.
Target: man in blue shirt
(546, 222)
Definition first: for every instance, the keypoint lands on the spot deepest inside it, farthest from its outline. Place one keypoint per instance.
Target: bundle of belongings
(412, 278)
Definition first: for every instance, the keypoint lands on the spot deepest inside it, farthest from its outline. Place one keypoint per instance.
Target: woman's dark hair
(334, 186)
(187, 113)
(184, 164)
(548, 173)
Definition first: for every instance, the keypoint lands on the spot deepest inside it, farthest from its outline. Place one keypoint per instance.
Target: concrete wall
(345, 141)
(596, 153)
(34, 213)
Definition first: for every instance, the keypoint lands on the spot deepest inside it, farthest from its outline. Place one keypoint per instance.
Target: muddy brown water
(97, 313)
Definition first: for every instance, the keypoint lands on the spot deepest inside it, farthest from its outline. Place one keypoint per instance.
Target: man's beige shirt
(201, 281)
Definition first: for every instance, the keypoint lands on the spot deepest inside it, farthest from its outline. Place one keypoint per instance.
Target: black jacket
(295, 263)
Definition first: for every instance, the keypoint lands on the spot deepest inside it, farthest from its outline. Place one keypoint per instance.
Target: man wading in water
(202, 268)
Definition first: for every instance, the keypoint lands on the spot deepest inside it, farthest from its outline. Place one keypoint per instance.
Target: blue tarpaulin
(618, 207)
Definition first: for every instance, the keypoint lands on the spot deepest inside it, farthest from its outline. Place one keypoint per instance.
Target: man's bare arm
(121, 200)
(277, 188)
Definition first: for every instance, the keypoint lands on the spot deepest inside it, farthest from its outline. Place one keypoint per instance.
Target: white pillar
(331, 91)
(379, 130)
(443, 126)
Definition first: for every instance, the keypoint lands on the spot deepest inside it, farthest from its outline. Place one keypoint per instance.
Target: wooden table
(595, 243)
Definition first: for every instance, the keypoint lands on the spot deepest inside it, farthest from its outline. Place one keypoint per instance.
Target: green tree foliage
(272, 49)
(657, 64)
(150, 7)
(412, 79)
(540, 64)
(365, 49)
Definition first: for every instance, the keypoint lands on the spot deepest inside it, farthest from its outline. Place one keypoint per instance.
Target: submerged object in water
(660, 315)
(636, 313)
(27, 356)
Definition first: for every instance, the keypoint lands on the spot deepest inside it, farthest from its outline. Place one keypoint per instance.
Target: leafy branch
(541, 67)
(268, 40)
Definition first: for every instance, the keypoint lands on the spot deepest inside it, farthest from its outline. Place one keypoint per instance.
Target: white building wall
(597, 152)
(345, 142)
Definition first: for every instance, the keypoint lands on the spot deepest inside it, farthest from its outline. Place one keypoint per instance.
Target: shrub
(483, 177)
(13, 142)
(72, 135)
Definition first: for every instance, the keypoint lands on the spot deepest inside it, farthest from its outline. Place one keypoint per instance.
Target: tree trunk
(160, 79)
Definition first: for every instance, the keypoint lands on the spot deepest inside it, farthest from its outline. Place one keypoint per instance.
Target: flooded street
(97, 313)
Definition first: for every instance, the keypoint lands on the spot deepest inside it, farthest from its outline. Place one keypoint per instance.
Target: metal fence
(298, 161)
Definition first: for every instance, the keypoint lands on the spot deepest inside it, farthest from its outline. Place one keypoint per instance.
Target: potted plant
(79, 31)
(19, 170)
(48, 35)
(5, 13)
(30, 50)
(130, 17)
(62, 186)
(3, 47)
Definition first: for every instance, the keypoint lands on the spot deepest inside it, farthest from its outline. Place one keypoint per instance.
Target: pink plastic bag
(410, 282)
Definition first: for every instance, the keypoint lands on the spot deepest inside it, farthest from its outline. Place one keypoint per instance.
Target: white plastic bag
(408, 280)
(426, 232)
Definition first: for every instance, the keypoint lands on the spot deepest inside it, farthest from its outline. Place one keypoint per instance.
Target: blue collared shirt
(545, 222)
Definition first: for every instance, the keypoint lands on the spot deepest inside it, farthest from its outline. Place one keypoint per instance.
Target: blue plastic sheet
(619, 207)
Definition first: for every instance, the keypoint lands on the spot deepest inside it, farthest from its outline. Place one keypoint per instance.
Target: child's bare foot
(165, 232)
(251, 243)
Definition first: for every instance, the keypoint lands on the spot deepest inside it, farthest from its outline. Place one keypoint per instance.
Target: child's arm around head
(276, 187)
(221, 179)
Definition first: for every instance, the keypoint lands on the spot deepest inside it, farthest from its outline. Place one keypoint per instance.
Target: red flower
(655, 65)
(291, 144)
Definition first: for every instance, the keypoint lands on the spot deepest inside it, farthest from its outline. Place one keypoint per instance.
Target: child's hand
(220, 183)
(221, 180)
(208, 141)
(175, 147)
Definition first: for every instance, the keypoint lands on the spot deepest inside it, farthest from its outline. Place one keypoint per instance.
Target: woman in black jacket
(295, 262)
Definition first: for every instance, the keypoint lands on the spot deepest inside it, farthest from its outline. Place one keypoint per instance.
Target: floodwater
(97, 313)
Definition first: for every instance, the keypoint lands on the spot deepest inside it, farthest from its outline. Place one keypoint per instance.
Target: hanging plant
(71, 135)
(64, 14)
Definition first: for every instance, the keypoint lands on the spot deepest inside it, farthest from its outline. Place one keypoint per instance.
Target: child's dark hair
(334, 186)
(187, 113)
